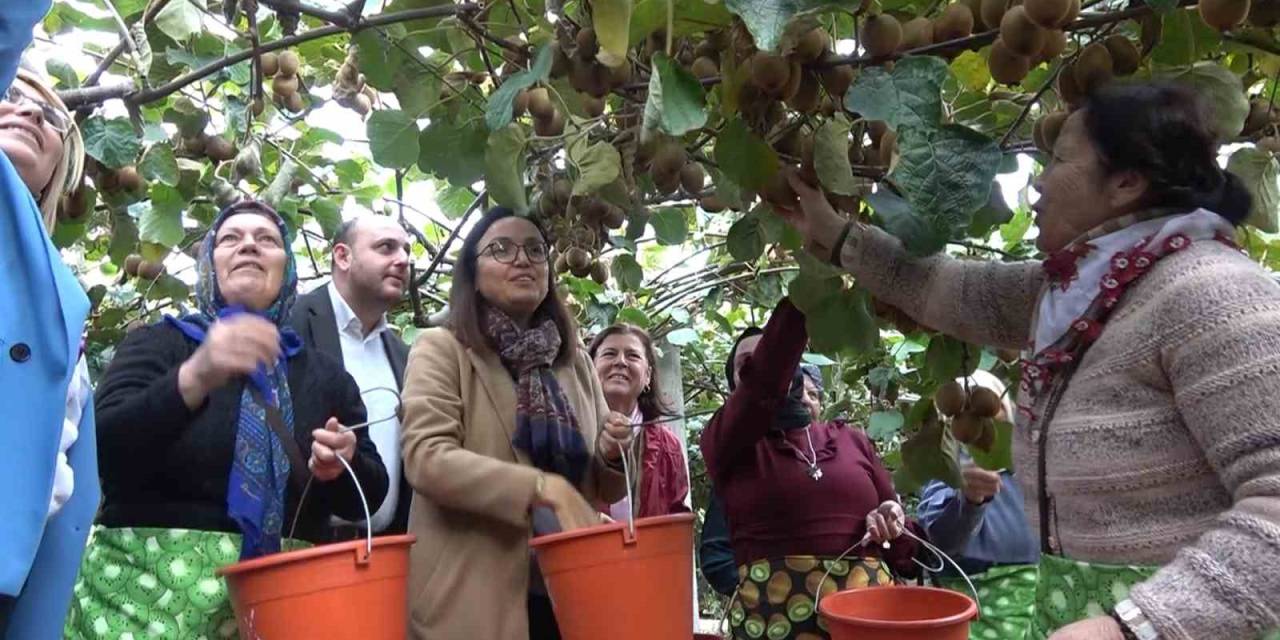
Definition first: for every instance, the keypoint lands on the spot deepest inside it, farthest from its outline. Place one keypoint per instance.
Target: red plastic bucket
(898, 613)
(606, 583)
(330, 592)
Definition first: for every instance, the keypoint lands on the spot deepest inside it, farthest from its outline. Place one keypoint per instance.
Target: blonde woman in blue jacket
(48, 461)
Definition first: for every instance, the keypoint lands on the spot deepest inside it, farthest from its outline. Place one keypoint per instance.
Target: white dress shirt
(79, 392)
(366, 360)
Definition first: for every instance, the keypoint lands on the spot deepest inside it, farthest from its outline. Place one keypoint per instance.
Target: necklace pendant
(815, 473)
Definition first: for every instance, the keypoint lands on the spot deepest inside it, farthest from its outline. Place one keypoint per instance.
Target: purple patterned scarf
(546, 427)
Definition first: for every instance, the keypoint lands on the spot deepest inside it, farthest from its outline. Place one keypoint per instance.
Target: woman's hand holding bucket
(1099, 628)
(571, 509)
(327, 444)
(615, 435)
(886, 522)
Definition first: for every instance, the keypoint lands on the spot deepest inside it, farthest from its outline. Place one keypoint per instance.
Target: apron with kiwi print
(777, 598)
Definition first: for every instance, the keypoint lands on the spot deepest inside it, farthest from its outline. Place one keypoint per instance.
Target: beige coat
(469, 571)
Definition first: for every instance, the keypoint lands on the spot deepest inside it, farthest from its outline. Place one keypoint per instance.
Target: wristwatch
(1133, 623)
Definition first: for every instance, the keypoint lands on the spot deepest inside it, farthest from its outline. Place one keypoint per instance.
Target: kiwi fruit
(614, 218)
(812, 45)
(955, 22)
(692, 178)
(593, 107)
(1125, 57)
(599, 272)
(1047, 13)
(1008, 356)
(132, 263)
(1270, 143)
(294, 102)
(888, 148)
(1224, 15)
(560, 62)
(1006, 66)
(984, 402)
(1068, 90)
(967, 428)
(562, 264)
(993, 11)
(549, 127)
(1047, 128)
(588, 46)
(918, 32)
(561, 191)
(128, 179)
(1260, 115)
(950, 398)
(284, 85)
(577, 258)
(520, 104)
(289, 63)
(1093, 68)
(1020, 34)
(270, 63)
(793, 80)
(1264, 14)
(618, 75)
(669, 160)
(219, 149)
(778, 191)
(1073, 12)
(540, 104)
(880, 35)
(770, 73)
(666, 183)
(259, 105)
(1055, 42)
(704, 68)
(807, 98)
(148, 270)
(876, 130)
(711, 203)
(837, 79)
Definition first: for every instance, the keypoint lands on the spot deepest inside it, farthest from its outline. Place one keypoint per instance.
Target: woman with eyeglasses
(506, 435)
(48, 463)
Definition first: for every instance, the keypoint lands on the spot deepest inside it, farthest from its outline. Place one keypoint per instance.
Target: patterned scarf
(546, 427)
(260, 467)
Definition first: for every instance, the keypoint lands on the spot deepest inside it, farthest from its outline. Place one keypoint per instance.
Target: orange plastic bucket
(898, 613)
(606, 583)
(328, 592)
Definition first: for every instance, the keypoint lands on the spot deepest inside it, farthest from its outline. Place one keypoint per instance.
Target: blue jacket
(978, 536)
(40, 328)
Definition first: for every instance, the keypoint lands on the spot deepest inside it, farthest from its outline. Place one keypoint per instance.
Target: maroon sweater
(774, 508)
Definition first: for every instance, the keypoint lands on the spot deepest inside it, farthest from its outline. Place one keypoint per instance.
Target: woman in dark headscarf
(797, 492)
(202, 425)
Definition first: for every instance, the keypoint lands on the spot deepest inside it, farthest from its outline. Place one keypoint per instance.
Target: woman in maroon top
(627, 366)
(797, 493)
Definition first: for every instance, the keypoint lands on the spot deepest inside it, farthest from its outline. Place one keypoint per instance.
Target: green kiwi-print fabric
(1007, 598)
(777, 598)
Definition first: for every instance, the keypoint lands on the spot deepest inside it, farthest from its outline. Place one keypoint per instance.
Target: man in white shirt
(347, 319)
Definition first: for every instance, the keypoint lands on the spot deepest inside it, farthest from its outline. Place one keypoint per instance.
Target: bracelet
(838, 247)
(1133, 623)
(1124, 628)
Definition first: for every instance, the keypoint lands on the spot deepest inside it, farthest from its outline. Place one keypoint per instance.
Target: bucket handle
(361, 558)
(630, 461)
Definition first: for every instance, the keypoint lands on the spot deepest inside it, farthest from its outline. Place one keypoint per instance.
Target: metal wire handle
(393, 416)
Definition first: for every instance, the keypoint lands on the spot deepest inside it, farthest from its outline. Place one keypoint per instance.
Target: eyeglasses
(56, 118)
(506, 250)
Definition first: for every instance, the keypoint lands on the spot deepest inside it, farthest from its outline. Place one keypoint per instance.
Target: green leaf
(501, 103)
(743, 157)
(883, 426)
(160, 218)
(393, 138)
(745, 241)
(776, 231)
(970, 69)
(453, 152)
(328, 214)
(1260, 173)
(67, 233)
(676, 104)
(634, 316)
(831, 156)
(908, 96)
(159, 165)
(843, 323)
(808, 292)
(598, 165)
(994, 214)
(1163, 6)
(627, 271)
(682, 337)
(918, 235)
(180, 20)
(124, 238)
(1224, 94)
(945, 359)
(768, 19)
(689, 18)
(504, 163)
(670, 226)
(932, 454)
(1185, 39)
(63, 72)
(111, 142)
(379, 56)
(1016, 229)
(946, 172)
(1001, 454)
(611, 20)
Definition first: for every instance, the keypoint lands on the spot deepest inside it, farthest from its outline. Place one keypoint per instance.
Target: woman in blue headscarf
(203, 423)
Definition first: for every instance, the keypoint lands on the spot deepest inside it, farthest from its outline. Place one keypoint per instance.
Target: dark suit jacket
(313, 319)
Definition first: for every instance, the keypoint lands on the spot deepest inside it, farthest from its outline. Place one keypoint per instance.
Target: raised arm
(978, 301)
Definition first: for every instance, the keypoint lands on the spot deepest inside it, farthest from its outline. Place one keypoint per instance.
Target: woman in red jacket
(797, 492)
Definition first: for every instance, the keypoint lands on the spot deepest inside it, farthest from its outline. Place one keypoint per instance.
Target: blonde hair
(68, 172)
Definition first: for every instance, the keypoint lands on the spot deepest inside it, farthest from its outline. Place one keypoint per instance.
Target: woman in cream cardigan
(1148, 427)
(506, 435)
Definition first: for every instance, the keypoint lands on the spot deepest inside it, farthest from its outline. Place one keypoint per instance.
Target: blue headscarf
(260, 467)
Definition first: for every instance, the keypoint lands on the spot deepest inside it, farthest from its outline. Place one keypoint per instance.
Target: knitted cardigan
(1164, 450)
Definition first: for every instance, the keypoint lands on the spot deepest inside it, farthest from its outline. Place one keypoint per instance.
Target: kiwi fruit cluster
(1031, 32)
(1098, 63)
(350, 89)
(890, 314)
(136, 267)
(126, 179)
(286, 85)
(579, 225)
(548, 119)
(972, 412)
